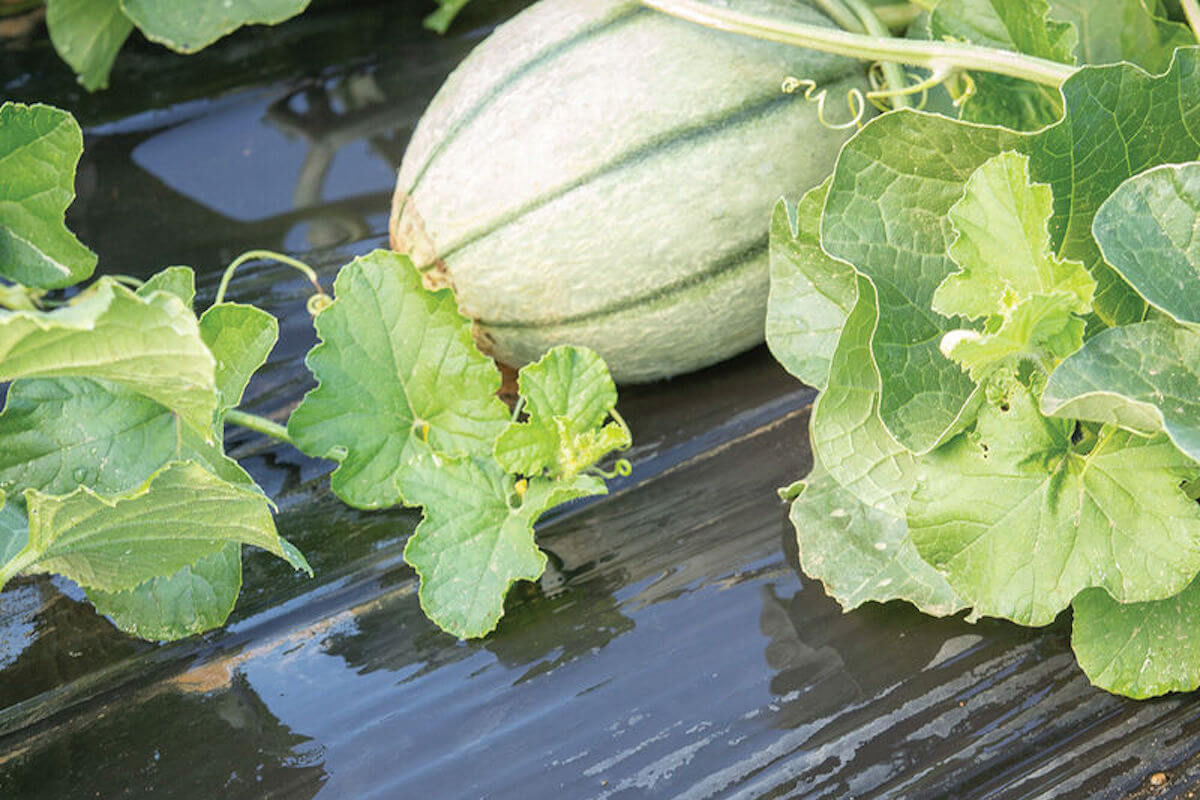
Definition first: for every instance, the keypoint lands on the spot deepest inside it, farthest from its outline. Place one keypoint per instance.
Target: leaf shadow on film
(872, 697)
(546, 625)
(828, 660)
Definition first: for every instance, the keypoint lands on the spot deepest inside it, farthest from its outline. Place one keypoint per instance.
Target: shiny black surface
(671, 650)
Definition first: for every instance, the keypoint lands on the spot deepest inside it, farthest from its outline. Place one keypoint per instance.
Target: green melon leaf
(861, 553)
(898, 177)
(1020, 521)
(151, 346)
(87, 35)
(1087, 156)
(179, 281)
(399, 376)
(1008, 274)
(1139, 650)
(476, 538)
(63, 433)
(40, 147)
(117, 440)
(240, 338)
(1023, 26)
(1020, 25)
(1002, 247)
(1121, 30)
(182, 514)
(1147, 231)
(811, 294)
(187, 26)
(197, 598)
(14, 530)
(1143, 377)
(568, 395)
(848, 437)
(1042, 329)
(886, 214)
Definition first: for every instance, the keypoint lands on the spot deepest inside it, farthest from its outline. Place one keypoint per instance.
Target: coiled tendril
(958, 83)
(854, 100)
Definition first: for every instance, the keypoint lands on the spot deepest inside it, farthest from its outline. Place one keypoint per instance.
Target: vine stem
(612, 412)
(259, 424)
(893, 73)
(936, 56)
(252, 255)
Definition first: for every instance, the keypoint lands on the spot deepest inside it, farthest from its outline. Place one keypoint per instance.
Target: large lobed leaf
(863, 553)
(1139, 649)
(895, 181)
(151, 346)
(1008, 276)
(39, 148)
(568, 395)
(886, 214)
(1020, 519)
(476, 538)
(114, 543)
(399, 376)
(64, 433)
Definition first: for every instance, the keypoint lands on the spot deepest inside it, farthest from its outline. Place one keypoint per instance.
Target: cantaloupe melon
(598, 173)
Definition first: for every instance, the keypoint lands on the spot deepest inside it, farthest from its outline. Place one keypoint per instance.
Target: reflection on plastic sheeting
(325, 143)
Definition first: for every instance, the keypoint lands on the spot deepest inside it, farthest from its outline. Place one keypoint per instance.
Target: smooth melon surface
(598, 173)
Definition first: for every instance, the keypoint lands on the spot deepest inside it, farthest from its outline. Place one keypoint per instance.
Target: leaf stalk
(893, 73)
(252, 255)
(258, 424)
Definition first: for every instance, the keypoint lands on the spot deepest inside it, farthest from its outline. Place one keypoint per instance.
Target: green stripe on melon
(599, 174)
